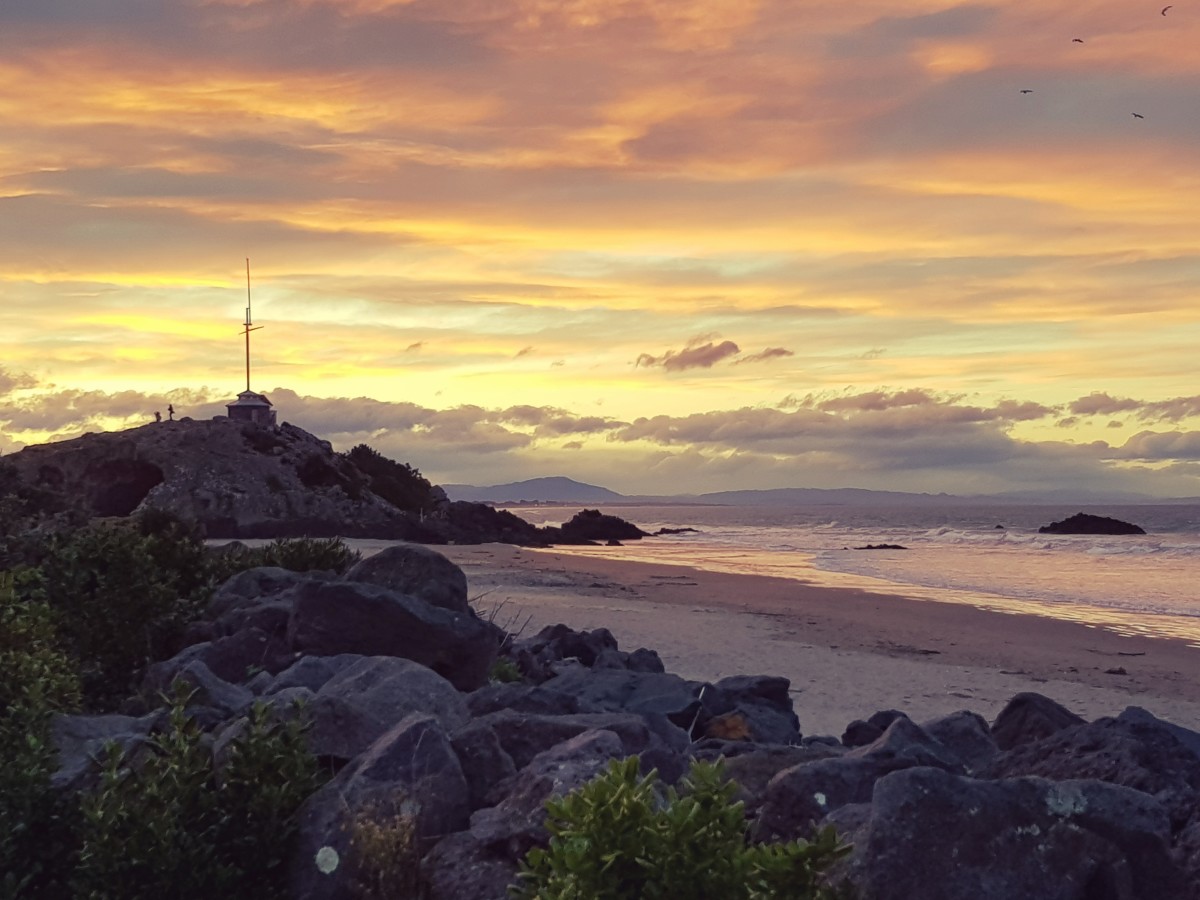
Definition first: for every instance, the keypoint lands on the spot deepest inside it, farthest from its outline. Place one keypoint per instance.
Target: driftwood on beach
(395, 666)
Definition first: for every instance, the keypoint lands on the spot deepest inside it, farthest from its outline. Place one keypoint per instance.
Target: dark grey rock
(859, 733)
(313, 671)
(1030, 717)
(522, 697)
(485, 762)
(934, 835)
(535, 656)
(250, 588)
(1144, 755)
(227, 700)
(411, 771)
(351, 617)
(798, 798)
(638, 692)
(966, 735)
(79, 741)
(658, 743)
(417, 571)
(1135, 715)
(483, 861)
(355, 707)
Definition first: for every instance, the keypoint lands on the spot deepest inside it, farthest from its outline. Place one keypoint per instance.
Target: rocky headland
(398, 673)
(246, 480)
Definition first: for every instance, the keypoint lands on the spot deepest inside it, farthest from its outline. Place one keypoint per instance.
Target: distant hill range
(555, 489)
(563, 490)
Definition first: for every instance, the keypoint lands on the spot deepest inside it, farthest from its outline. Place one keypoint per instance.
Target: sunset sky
(664, 246)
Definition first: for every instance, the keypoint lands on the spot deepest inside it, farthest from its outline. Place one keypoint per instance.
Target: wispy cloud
(694, 356)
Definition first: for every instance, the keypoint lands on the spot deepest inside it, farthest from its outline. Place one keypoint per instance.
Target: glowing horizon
(697, 247)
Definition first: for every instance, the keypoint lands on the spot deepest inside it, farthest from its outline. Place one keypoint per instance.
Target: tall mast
(249, 327)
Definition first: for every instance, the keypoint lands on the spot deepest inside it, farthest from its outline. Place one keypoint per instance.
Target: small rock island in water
(1085, 523)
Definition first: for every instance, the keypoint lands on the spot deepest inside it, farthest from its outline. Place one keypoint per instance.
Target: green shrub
(121, 599)
(297, 554)
(173, 826)
(36, 680)
(624, 836)
(398, 483)
(310, 554)
(504, 670)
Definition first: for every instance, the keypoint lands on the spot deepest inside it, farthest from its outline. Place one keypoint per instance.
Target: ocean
(987, 556)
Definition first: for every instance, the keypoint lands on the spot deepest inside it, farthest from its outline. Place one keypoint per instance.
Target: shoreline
(848, 652)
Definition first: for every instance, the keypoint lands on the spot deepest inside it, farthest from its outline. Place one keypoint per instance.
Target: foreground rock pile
(393, 665)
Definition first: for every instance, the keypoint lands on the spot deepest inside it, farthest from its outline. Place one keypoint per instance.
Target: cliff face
(238, 479)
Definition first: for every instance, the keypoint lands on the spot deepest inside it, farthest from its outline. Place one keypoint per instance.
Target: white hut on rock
(251, 407)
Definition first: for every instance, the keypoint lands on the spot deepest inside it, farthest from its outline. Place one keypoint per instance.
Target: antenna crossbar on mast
(249, 324)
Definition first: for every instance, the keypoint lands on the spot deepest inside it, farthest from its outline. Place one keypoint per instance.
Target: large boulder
(216, 694)
(535, 656)
(250, 587)
(965, 734)
(311, 672)
(234, 658)
(410, 777)
(79, 742)
(753, 708)
(521, 697)
(617, 690)
(359, 704)
(934, 835)
(658, 743)
(418, 572)
(352, 617)
(482, 861)
(1030, 717)
(797, 799)
(485, 762)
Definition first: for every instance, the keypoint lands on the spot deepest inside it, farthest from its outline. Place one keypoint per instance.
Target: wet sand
(848, 653)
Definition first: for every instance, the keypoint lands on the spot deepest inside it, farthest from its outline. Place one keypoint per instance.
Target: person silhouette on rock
(171, 412)
(157, 416)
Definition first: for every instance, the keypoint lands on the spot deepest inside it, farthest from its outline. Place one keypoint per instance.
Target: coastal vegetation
(398, 483)
(623, 836)
(83, 610)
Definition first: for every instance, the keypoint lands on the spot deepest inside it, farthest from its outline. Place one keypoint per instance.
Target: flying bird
(1138, 116)
(1076, 40)
(1026, 90)
(1164, 10)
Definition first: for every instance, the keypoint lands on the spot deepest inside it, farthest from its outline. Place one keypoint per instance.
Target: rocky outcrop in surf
(1086, 523)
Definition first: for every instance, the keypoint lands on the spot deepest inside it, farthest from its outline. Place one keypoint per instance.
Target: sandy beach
(848, 653)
